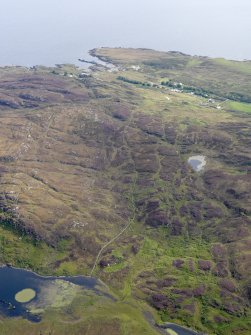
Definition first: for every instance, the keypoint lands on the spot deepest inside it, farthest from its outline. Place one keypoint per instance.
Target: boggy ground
(99, 163)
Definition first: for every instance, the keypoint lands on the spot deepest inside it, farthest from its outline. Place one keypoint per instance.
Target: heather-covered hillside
(95, 180)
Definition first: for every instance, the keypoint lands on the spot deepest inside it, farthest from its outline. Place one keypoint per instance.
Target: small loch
(26, 294)
(173, 329)
(197, 162)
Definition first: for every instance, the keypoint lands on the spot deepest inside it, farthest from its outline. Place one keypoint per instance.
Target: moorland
(95, 181)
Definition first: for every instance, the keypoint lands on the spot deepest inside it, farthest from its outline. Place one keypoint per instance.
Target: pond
(197, 162)
(169, 328)
(173, 329)
(24, 293)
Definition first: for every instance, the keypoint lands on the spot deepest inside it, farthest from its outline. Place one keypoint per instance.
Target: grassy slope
(118, 153)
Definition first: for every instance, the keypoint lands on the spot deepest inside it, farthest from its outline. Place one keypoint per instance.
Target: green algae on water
(25, 295)
(171, 332)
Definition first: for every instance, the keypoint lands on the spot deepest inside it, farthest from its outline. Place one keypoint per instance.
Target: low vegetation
(95, 179)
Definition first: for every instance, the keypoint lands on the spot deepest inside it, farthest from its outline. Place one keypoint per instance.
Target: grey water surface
(49, 32)
(180, 330)
(13, 280)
